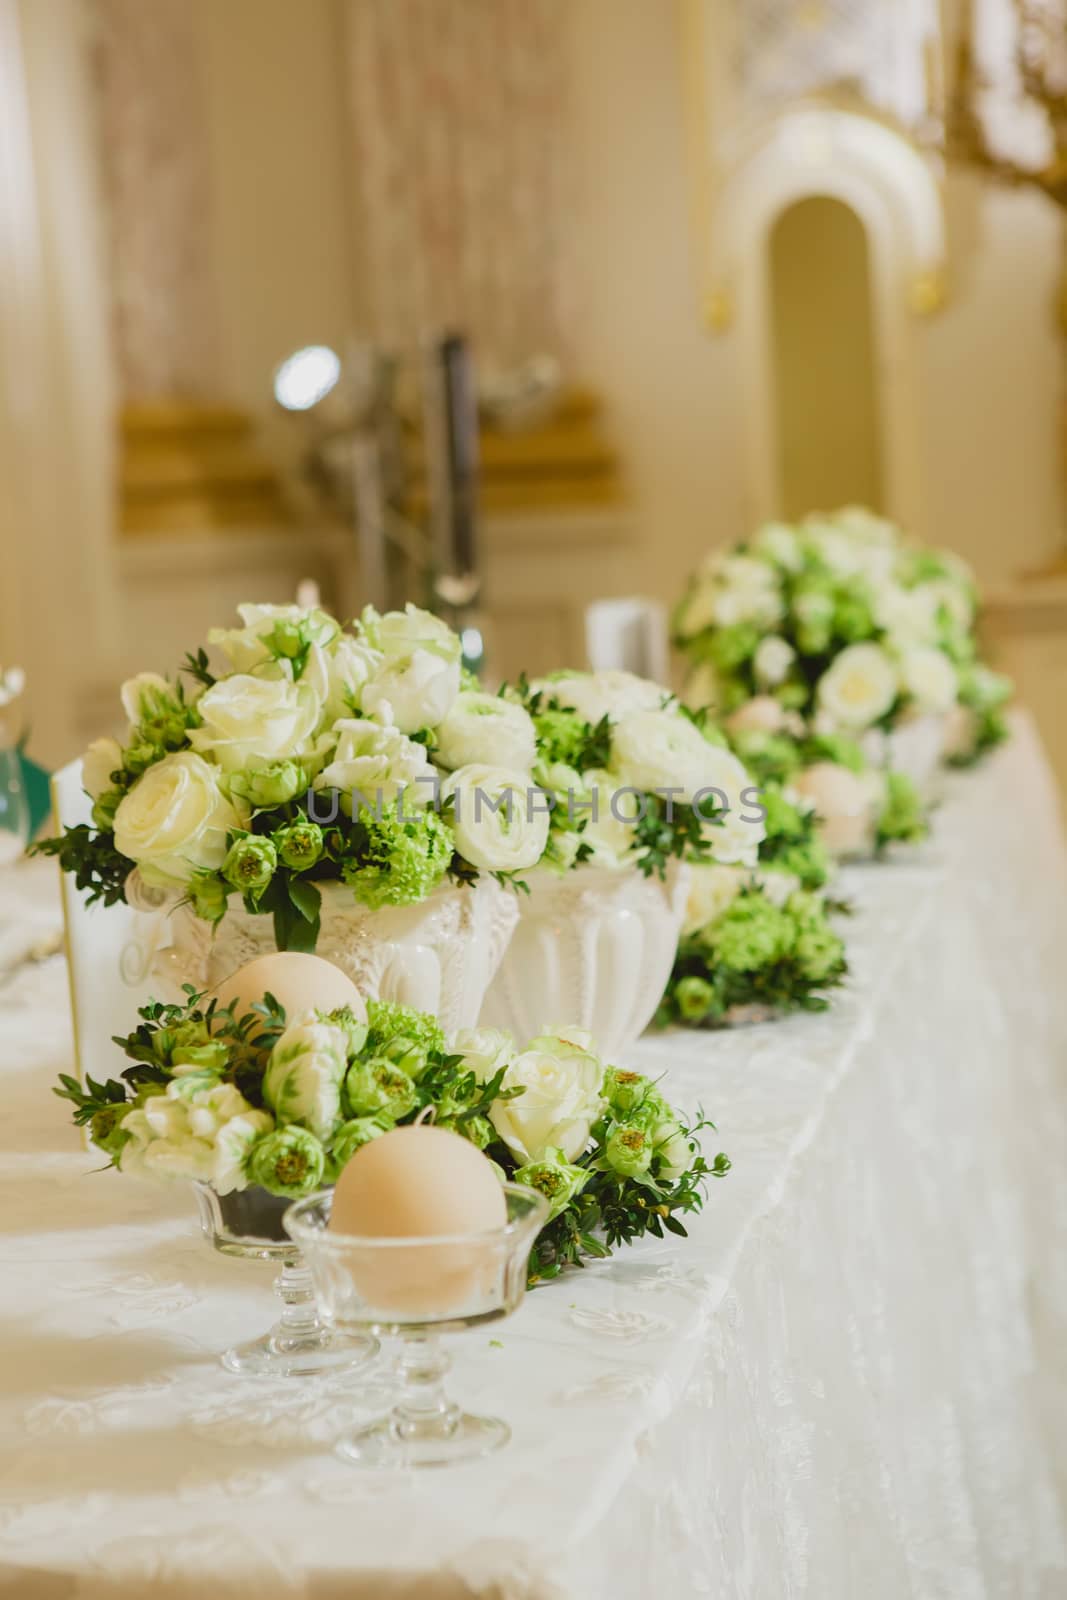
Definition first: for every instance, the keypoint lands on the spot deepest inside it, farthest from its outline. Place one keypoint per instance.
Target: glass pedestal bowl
(248, 1223)
(415, 1290)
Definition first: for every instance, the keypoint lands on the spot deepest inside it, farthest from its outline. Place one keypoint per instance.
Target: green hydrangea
(290, 1161)
(751, 933)
(562, 737)
(376, 1086)
(401, 861)
(401, 1034)
(819, 952)
(729, 648)
(903, 816)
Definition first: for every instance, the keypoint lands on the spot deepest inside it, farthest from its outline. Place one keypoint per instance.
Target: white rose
(844, 806)
(419, 690)
(907, 616)
(929, 677)
(858, 687)
(773, 659)
(349, 668)
(663, 750)
(420, 671)
(377, 761)
(103, 757)
(780, 544)
(953, 597)
(612, 693)
(864, 525)
(846, 555)
(175, 820)
(500, 822)
(748, 590)
(485, 728)
(559, 1103)
(484, 1050)
(608, 830)
(712, 890)
(249, 722)
(760, 715)
(671, 1147)
(233, 1142)
(302, 1083)
(161, 1145)
(244, 647)
(142, 694)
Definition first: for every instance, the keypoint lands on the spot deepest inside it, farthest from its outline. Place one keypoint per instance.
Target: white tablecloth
(844, 1384)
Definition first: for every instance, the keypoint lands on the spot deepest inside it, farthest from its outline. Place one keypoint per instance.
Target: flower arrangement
(751, 947)
(322, 755)
(841, 621)
(855, 807)
(261, 1100)
(633, 779)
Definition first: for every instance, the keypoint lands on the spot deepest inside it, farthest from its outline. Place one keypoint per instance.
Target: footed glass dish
(248, 1223)
(415, 1290)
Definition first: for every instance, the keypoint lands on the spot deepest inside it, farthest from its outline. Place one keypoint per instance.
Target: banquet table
(848, 1381)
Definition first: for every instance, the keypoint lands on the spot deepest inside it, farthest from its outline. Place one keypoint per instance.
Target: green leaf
(307, 898)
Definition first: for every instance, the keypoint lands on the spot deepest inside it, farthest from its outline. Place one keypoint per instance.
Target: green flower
(562, 738)
(273, 785)
(555, 1178)
(401, 861)
(819, 953)
(350, 1137)
(752, 933)
(250, 864)
(401, 1034)
(694, 998)
(730, 647)
(377, 1086)
(290, 1161)
(902, 817)
(629, 1151)
(299, 845)
(624, 1091)
(106, 1131)
(838, 748)
(207, 895)
(104, 808)
(852, 618)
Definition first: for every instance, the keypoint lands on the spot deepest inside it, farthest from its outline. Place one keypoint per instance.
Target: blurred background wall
(192, 189)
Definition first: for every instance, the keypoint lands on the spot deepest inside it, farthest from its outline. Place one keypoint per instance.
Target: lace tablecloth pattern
(849, 1381)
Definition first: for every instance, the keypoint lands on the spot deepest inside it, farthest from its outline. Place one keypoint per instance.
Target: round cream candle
(297, 981)
(420, 1182)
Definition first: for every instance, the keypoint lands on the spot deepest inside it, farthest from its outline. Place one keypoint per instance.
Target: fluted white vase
(438, 956)
(593, 948)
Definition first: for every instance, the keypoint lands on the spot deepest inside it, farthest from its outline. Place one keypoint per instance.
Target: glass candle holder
(415, 1290)
(248, 1223)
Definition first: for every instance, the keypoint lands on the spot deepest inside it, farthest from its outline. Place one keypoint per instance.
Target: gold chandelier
(1041, 70)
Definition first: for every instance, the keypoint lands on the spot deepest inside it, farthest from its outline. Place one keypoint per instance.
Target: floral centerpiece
(757, 943)
(312, 793)
(857, 807)
(262, 1101)
(841, 621)
(636, 789)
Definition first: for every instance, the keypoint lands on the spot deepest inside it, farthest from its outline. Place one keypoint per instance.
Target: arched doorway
(827, 421)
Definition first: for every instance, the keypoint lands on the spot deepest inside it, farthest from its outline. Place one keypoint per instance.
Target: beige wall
(283, 190)
(988, 367)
